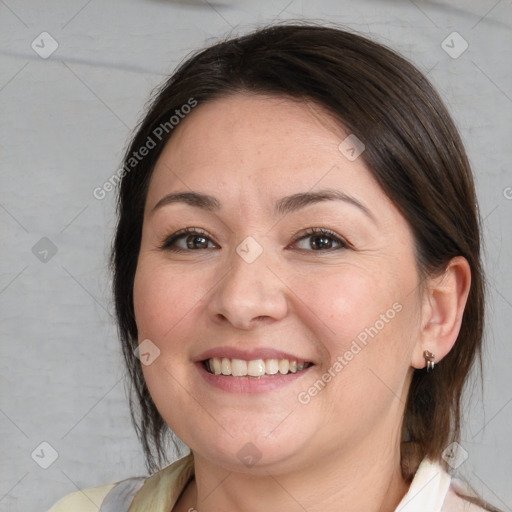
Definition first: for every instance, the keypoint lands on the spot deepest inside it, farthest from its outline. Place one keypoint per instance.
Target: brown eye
(321, 240)
(196, 242)
(188, 239)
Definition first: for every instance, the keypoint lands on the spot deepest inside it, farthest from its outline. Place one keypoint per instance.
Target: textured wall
(65, 119)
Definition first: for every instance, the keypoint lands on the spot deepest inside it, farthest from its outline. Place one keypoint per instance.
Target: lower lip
(250, 384)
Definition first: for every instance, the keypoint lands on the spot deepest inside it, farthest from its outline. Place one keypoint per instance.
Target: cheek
(346, 303)
(366, 321)
(162, 299)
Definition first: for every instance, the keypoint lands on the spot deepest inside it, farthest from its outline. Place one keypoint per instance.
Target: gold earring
(429, 359)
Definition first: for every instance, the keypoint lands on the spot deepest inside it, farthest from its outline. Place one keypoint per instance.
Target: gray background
(64, 123)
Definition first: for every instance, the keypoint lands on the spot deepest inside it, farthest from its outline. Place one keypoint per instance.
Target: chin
(254, 451)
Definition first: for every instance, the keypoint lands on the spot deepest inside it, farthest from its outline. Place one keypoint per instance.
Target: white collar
(428, 489)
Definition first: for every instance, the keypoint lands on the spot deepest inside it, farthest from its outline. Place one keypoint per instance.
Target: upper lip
(249, 355)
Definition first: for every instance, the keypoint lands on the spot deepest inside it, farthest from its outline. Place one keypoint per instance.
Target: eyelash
(169, 241)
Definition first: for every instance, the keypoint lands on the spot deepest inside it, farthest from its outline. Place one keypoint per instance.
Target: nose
(250, 293)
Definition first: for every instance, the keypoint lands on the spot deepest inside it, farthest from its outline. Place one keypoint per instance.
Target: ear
(443, 302)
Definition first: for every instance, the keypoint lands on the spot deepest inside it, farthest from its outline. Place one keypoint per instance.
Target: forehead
(272, 122)
(249, 147)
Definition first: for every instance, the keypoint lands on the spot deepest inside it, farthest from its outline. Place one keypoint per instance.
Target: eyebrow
(282, 207)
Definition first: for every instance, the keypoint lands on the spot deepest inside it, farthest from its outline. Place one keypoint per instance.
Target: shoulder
(433, 489)
(459, 498)
(88, 500)
(160, 490)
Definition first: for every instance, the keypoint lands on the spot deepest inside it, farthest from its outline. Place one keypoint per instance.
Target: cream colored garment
(432, 490)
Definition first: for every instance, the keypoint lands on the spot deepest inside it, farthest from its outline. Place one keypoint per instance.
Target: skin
(340, 451)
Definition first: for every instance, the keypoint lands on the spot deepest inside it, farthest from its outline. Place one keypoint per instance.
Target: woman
(297, 282)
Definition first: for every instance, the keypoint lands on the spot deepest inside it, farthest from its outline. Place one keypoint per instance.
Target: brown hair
(413, 151)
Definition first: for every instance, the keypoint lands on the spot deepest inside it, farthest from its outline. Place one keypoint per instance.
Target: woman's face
(254, 287)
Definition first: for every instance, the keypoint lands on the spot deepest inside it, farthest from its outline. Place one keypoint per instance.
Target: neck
(342, 482)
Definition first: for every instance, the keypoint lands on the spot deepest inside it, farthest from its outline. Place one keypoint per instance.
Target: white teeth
(284, 366)
(253, 368)
(238, 367)
(256, 368)
(225, 366)
(217, 368)
(271, 366)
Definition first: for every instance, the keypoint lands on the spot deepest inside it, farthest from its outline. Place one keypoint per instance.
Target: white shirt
(431, 490)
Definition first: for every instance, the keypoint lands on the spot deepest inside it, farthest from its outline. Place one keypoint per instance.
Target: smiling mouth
(253, 368)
